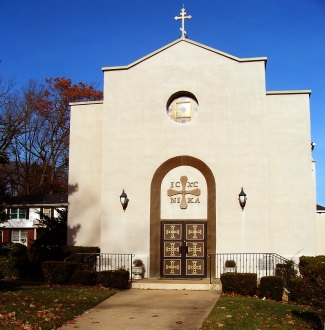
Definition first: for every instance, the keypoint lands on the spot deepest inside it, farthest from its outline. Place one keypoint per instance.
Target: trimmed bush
(271, 287)
(230, 263)
(313, 268)
(298, 292)
(307, 261)
(83, 277)
(240, 283)
(117, 279)
(58, 272)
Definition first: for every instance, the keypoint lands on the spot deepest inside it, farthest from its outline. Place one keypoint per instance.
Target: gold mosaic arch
(155, 199)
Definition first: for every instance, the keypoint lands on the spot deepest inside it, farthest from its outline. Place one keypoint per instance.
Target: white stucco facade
(244, 135)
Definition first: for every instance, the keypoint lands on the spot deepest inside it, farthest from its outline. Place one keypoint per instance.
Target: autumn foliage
(36, 126)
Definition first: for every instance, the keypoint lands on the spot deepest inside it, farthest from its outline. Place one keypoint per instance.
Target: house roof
(37, 200)
(320, 208)
(254, 59)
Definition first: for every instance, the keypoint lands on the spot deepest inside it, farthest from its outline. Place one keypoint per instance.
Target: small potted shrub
(230, 266)
(138, 269)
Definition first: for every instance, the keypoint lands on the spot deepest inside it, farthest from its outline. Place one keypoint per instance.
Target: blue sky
(75, 39)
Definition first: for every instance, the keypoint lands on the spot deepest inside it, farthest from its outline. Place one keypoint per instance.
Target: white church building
(183, 131)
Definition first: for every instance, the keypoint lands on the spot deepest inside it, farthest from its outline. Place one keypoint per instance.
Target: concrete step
(173, 284)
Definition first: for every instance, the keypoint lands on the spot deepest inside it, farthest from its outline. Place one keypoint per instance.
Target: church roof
(37, 200)
(254, 59)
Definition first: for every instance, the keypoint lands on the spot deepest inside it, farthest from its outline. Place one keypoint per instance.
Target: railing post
(209, 256)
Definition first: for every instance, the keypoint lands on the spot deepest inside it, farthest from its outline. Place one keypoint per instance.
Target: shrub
(138, 263)
(272, 287)
(298, 293)
(58, 272)
(14, 261)
(230, 263)
(83, 277)
(313, 279)
(307, 261)
(286, 271)
(5, 249)
(240, 283)
(114, 279)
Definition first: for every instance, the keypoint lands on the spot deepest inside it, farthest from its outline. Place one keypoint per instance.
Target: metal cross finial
(183, 17)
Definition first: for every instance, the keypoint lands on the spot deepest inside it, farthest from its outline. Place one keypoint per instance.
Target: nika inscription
(184, 184)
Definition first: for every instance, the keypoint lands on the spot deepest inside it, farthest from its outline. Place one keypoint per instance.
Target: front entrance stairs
(177, 284)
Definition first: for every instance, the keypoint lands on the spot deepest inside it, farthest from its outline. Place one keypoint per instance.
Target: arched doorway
(155, 208)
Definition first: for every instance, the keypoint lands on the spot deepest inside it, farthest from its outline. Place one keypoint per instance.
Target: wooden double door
(183, 249)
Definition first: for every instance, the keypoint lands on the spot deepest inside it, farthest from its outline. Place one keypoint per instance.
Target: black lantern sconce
(124, 200)
(242, 199)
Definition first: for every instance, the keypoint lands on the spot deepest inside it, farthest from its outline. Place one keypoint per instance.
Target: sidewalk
(149, 309)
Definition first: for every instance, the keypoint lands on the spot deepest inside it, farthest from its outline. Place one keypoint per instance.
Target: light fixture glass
(242, 198)
(124, 200)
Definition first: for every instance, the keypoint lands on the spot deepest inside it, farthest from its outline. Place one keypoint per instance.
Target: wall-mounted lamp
(313, 144)
(124, 200)
(242, 199)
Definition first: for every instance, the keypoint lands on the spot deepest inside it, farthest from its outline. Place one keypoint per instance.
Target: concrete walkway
(149, 309)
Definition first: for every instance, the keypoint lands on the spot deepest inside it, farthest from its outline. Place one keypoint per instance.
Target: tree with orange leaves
(39, 151)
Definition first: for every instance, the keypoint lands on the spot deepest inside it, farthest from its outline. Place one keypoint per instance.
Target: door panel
(183, 249)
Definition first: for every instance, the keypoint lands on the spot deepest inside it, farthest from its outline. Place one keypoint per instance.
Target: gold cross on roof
(183, 17)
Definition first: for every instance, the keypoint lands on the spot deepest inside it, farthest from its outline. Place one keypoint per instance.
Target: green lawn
(46, 307)
(247, 313)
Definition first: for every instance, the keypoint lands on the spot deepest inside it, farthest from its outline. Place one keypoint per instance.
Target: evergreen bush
(287, 271)
(240, 283)
(117, 279)
(58, 272)
(271, 287)
(83, 277)
(14, 261)
(312, 270)
(308, 261)
(298, 293)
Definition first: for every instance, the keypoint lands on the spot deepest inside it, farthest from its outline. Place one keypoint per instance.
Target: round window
(182, 108)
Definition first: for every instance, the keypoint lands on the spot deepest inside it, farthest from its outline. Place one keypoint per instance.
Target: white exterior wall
(231, 99)
(85, 174)
(238, 133)
(292, 195)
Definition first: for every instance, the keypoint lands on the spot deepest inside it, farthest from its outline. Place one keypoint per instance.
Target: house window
(47, 212)
(1, 236)
(18, 214)
(19, 236)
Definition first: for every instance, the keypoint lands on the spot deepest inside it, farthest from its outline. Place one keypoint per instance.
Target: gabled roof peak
(184, 39)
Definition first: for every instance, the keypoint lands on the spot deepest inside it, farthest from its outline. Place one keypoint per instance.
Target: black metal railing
(262, 264)
(103, 261)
